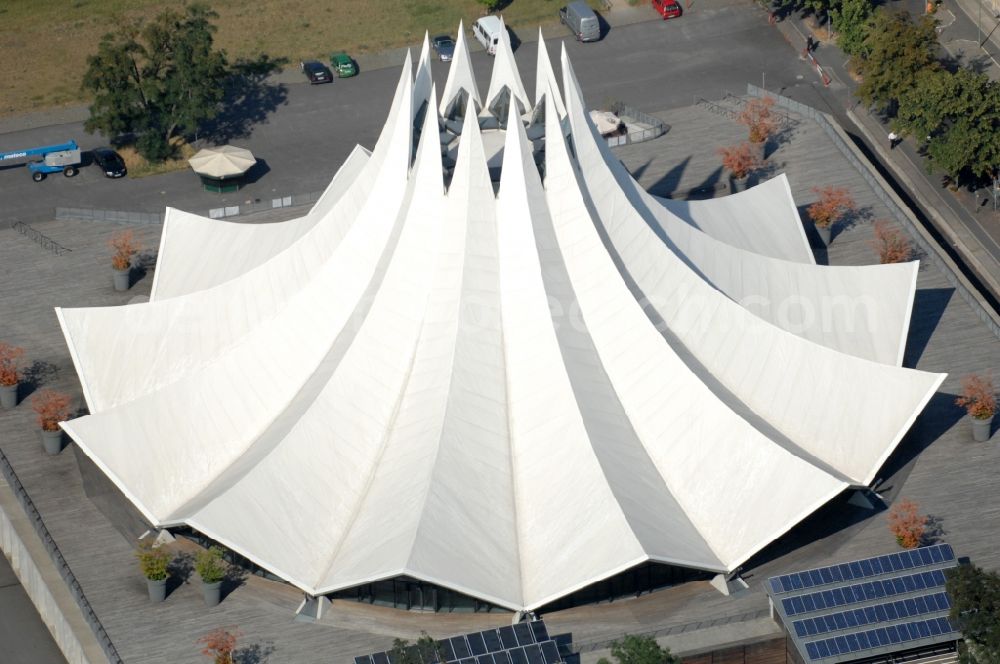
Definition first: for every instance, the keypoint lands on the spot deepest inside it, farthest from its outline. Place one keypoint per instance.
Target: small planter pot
(981, 429)
(157, 590)
(52, 441)
(8, 396)
(122, 279)
(825, 234)
(212, 592)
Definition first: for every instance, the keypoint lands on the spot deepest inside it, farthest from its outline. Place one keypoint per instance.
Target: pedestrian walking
(893, 140)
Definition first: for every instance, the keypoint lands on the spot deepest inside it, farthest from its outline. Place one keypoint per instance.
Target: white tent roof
(223, 161)
(460, 75)
(512, 395)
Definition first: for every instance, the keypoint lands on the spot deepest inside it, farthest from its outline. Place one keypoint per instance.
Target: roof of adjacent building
(867, 608)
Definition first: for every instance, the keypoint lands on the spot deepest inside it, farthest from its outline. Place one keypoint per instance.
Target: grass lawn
(44, 45)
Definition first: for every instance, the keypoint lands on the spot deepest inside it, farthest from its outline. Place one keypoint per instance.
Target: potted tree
(10, 373)
(125, 246)
(907, 524)
(740, 160)
(833, 205)
(52, 407)
(979, 401)
(212, 570)
(890, 244)
(761, 122)
(154, 563)
(219, 644)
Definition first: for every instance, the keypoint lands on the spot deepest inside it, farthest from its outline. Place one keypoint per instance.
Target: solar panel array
(895, 602)
(523, 643)
(862, 569)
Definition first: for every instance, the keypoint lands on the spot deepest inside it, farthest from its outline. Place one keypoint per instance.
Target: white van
(488, 30)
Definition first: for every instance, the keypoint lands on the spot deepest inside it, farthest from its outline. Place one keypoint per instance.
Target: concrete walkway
(965, 221)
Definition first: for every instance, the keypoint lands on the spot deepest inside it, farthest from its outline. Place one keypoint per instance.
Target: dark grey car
(317, 72)
(444, 46)
(110, 162)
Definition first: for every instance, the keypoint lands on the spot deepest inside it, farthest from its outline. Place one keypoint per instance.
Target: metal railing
(39, 238)
(655, 127)
(606, 642)
(931, 250)
(59, 561)
(264, 205)
(114, 216)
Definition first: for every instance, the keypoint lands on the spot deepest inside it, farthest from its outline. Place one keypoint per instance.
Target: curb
(959, 238)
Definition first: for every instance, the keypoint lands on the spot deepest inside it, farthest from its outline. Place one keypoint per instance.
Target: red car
(667, 8)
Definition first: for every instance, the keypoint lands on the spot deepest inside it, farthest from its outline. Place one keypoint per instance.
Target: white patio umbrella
(224, 161)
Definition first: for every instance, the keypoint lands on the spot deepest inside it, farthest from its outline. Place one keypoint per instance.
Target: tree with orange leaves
(740, 160)
(125, 246)
(833, 205)
(220, 644)
(907, 524)
(758, 117)
(890, 244)
(10, 358)
(52, 407)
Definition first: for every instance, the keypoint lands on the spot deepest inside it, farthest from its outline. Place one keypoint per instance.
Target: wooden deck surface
(952, 478)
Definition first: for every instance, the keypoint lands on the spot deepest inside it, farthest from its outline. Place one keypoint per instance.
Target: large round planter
(825, 234)
(212, 592)
(157, 589)
(52, 441)
(981, 429)
(122, 279)
(8, 396)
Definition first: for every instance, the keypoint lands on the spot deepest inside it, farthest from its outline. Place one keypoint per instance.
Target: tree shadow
(142, 263)
(934, 531)
(235, 577)
(180, 570)
(255, 653)
(929, 306)
(668, 184)
(249, 99)
(34, 376)
(815, 241)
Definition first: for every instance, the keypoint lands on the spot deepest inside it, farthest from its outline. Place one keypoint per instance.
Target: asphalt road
(24, 639)
(652, 66)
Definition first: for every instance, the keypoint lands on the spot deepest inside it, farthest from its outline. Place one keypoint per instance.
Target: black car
(444, 46)
(317, 72)
(110, 162)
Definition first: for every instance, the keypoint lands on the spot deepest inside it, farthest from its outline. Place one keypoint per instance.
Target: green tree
(635, 649)
(894, 50)
(975, 610)
(957, 119)
(157, 79)
(850, 21)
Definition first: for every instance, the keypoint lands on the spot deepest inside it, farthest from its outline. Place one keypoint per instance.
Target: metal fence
(655, 127)
(931, 250)
(259, 205)
(39, 238)
(115, 216)
(60, 562)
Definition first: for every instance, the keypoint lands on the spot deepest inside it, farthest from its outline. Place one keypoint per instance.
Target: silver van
(581, 20)
(487, 31)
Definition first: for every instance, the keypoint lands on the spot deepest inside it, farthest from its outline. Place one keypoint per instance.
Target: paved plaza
(951, 478)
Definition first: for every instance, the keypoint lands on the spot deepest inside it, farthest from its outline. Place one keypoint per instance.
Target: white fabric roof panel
(464, 386)
(762, 219)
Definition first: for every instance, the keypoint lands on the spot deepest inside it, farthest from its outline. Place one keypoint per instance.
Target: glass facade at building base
(413, 595)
